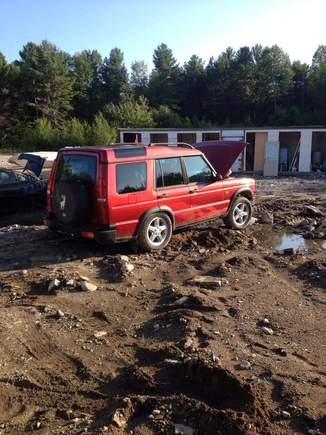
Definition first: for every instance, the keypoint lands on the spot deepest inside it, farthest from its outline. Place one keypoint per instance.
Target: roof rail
(178, 144)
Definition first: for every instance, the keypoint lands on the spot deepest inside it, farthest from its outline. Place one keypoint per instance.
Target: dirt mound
(313, 271)
(195, 394)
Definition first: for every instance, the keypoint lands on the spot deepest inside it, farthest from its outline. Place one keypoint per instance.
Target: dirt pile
(215, 334)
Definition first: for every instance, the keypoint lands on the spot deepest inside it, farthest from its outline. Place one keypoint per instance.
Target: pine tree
(87, 84)
(139, 78)
(46, 82)
(115, 78)
(163, 83)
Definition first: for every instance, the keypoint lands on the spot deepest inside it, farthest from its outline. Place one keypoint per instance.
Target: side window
(131, 177)
(7, 177)
(171, 171)
(198, 170)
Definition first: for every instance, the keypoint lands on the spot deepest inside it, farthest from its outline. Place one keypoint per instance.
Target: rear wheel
(155, 232)
(239, 214)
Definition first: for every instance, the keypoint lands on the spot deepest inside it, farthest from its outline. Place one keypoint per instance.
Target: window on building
(131, 137)
(198, 170)
(189, 138)
(210, 136)
(171, 172)
(159, 138)
(131, 177)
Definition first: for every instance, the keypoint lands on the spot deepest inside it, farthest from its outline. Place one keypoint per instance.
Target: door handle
(162, 195)
(193, 190)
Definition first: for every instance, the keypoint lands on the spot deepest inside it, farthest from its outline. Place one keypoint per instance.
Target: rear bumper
(103, 234)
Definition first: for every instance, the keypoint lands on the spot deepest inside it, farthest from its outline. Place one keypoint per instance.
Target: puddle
(279, 240)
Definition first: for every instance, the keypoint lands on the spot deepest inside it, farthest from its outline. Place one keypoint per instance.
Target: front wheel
(239, 215)
(155, 232)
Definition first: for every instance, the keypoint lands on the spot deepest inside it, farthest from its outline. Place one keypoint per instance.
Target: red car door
(172, 190)
(207, 197)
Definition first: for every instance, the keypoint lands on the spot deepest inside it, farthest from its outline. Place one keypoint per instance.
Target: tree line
(49, 98)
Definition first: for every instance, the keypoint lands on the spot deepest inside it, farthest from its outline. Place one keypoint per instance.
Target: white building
(269, 150)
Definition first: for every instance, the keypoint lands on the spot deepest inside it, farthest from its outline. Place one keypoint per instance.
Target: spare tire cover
(71, 203)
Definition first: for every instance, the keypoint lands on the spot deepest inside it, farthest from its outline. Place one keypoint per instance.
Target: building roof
(216, 129)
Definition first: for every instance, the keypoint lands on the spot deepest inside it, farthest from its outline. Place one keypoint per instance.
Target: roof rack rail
(178, 144)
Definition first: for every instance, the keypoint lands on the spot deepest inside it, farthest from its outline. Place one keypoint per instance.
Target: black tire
(234, 219)
(146, 235)
(71, 203)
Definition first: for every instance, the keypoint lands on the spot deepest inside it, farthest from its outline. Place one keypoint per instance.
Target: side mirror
(216, 177)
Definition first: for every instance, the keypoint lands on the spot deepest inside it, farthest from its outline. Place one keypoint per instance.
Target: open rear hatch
(221, 153)
(34, 163)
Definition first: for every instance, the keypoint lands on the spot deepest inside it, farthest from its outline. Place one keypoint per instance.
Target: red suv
(142, 193)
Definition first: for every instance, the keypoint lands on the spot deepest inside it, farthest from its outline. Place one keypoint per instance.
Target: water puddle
(279, 240)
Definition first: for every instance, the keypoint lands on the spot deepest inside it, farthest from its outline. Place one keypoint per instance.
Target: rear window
(74, 167)
(131, 177)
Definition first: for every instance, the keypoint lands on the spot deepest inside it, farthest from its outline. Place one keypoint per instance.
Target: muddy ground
(218, 334)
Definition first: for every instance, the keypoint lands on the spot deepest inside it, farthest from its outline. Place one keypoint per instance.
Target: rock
(181, 429)
(265, 321)
(182, 300)
(156, 412)
(70, 283)
(24, 272)
(286, 414)
(172, 362)
(129, 267)
(253, 220)
(88, 286)
(254, 380)
(266, 217)
(100, 334)
(188, 344)
(208, 281)
(83, 278)
(156, 326)
(118, 419)
(244, 365)
(313, 211)
(288, 251)
(124, 258)
(268, 331)
(53, 284)
(60, 313)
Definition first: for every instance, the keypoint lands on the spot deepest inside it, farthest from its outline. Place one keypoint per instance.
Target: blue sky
(202, 27)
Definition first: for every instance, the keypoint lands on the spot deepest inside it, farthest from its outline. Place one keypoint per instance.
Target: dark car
(20, 190)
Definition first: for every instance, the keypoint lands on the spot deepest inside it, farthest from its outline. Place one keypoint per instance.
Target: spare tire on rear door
(71, 203)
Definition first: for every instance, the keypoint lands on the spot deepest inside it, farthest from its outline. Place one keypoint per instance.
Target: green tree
(86, 68)
(317, 80)
(139, 78)
(163, 82)
(115, 77)
(74, 133)
(46, 83)
(193, 88)
(100, 133)
(43, 135)
(129, 113)
(165, 117)
(273, 79)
